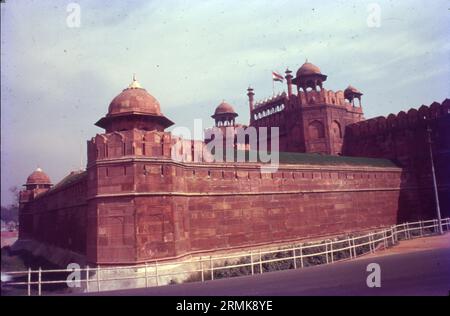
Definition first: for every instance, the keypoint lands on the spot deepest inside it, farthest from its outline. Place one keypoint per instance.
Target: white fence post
(146, 275)
(98, 278)
(87, 278)
(295, 259)
(421, 228)
(202, 270)
(260, 262)
(29, 282)
(212, 267)
(301, 256)
(251, 262)
(392, 235)
(39, 281)
(407, 231)
(332, 253)
(354, 247)
(326, 250)
(156, 272)
(350, 247)
(371, 243)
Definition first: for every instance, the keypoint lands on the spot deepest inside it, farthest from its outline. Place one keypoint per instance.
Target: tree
(11, 212)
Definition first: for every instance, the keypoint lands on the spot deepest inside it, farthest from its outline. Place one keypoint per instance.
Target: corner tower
(310, 118)
(125, 164)
(37, 182)
(133, 108)
(324, 113)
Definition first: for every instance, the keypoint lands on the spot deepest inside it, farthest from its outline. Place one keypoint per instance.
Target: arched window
(316, 130)
(143, 145)
(336, 129)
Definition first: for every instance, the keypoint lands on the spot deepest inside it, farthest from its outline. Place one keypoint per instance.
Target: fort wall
(404, 138)
(137, 203)
(180, 208)
(57, 217)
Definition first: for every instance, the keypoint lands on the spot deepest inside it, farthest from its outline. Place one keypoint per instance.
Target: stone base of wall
(54, 255)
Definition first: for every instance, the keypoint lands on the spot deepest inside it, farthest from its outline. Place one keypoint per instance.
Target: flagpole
(273, 87)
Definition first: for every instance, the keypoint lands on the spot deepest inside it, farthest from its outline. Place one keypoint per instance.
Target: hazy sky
(56, 81)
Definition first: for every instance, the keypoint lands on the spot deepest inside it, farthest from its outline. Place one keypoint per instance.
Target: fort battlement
(402, 120)
(133, 142)
(194, 207)
(402, 137)
(277, 103)
(136, 203)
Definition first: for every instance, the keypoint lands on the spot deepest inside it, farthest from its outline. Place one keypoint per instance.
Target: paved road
(425, 272)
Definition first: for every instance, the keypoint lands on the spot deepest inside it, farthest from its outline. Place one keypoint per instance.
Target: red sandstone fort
(338, 173)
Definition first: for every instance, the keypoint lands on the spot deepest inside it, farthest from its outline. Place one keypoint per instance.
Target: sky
(58, 77)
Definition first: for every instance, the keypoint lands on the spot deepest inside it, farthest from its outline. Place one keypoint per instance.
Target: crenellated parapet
(409, 119)
(329, 97)
(129, 143)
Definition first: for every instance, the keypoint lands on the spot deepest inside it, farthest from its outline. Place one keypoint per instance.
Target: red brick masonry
(134, 203)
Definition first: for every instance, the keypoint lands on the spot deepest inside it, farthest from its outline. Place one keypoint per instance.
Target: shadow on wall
(417, 196)
(403, 138)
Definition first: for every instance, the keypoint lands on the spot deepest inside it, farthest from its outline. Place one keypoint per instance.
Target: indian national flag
(277, 77)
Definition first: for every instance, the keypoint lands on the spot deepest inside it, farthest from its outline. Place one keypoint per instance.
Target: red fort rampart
(135, 203)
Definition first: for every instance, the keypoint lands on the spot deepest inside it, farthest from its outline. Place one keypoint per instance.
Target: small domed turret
(351, 93)
(309, 76)
(224, 114)
(308, 69)
(38, 180)
(134, 107)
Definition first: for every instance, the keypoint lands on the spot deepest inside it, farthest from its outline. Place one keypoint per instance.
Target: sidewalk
(414, 245)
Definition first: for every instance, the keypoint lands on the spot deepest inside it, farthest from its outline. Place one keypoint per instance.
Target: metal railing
(255, 262)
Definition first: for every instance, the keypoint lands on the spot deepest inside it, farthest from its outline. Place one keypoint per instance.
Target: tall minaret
(289, 82)
(250, 95)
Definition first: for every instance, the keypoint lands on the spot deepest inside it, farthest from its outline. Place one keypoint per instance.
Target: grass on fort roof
(285, 158)
(70, 178)
(321, 159)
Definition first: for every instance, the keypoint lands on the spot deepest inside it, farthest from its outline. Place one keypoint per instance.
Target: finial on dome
(134, 84)
(306, 60)
(38, 169)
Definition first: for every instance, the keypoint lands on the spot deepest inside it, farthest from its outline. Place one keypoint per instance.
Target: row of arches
(225, 123)
(268, 112)
(316, 130)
